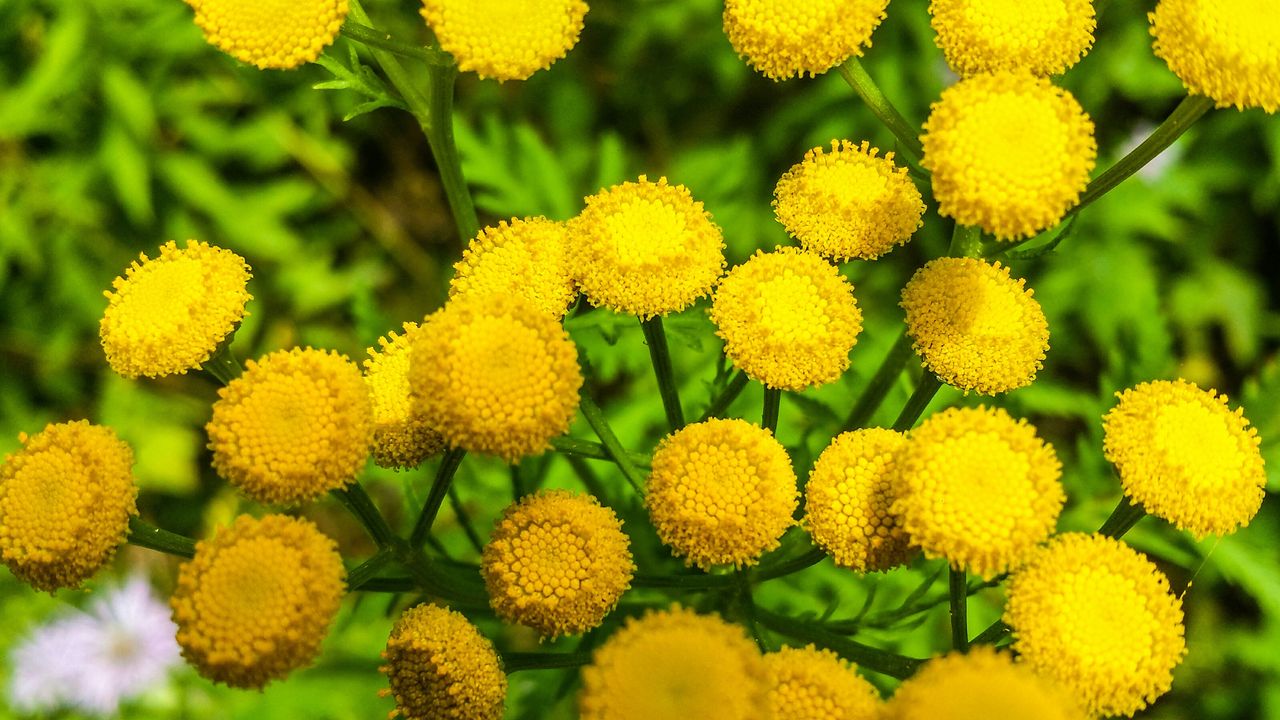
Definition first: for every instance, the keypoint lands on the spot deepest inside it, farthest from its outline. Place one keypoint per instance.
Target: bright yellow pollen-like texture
(1044, 37)
(848, 203)
(721, 492)
(1009, 152)
(1098, 616)
(675, 665)
(978, 488)
(505, 39)
(1185, 456)
(974, 326)
(441, 668)
(981, 685)
(849, 499)
(65, 502)
(785, 38)
(1228, 50)
(645, 248)
(788, 318)
(402, 435)
(168, 315)
(812, 683)
(557, 562)
(256, 601)
(297, 424)
(270, 33)
(496, 375)
(526, 257)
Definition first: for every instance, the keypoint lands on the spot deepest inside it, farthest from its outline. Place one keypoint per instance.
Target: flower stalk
(659, 352)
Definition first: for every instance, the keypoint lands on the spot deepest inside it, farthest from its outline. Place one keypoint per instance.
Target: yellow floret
(1097, 616)
(505, 39)
(270, 33)
(980, 685)
(65, 502)
(812, 683)
(441, 668)
(1009, 152)
(256, 601)
(1223, 49)
(1044, 37)
(1185, 456)
(557, 562)
(526, 257)
(297, 424)
(785, 38)
(402, 435)
(169, 315)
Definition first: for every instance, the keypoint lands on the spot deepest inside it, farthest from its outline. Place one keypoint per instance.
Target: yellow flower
(978, 488)
(256, 601)
(785, 38)
(788, 319)
(1223, 49)
(402, 435)
(672, 665)
(721, 492)
(524, 257)
(848, 500)
(557, 562)
(975, 327)
(168, 315)
(441, 668)
(812, 683)
(848, 203)
(65, 502)
(1185, 456)
(1097, 616)
(270, 33)
(505, 39)
(1009, 152)
(496, 375)
(295, 425)
(982, 685)
(1044, 37)
(645, 248)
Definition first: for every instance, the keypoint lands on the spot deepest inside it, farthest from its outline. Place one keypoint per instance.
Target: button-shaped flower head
(441, 668)
(981, 685)
(526, 257)
(785, 38)
(811, 683)
(403, 435)
(1044, 37)
(270, 33)
(505, 39)
(1223, 49)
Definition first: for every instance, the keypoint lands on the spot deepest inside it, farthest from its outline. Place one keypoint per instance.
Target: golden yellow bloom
(270, 33)
(1009, 152)
(785, 38)
(1223, 49)
(1185, 456)
(849, 497)
(978, 488)
(1044, 37)
(256, 601)
(1097, 616)
(505, 39)
(557, 562)
(296, 424)
(65, 502)
(441, 668)
(788, 319)
(812, 683)
(402, 435)
(974, 326)
(672, 665)
(168, 315)
(721, 492)
(524, 257)
(848, 203)
(645, 248)
(982, 685)
(496, 375)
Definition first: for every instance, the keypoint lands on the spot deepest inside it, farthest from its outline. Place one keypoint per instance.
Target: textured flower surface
(1044, 37)
(403, 435)
(811, 683)
(527, 257)
(1223, 49)
(270, 33)
(505, 39)
(981, 685)
(785, 38)
(441, 668)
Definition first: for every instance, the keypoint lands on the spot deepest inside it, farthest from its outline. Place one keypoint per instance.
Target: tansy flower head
(788, 318)
(505, 39)
(496, 375)
(645, 248)
(168, 315)
(812, 683)
(1091, 612)
(270, 33)
(441, 668)
(525, 257)
(557, 562)
(980, 685)
(978, 488)
(1185, 456)
(849, 497)
(402, 435)
(1223, 49)
(295, 425)
(721, 492)
(848, 203)
(785, 38)
(1009, 152)
(675, 664)
(974, 326)
(255, 602)
(1044, 37)
(65, 502)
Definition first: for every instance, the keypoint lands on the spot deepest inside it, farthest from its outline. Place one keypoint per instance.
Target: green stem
(595, 418)
(464, 519)
(908, 137)
(372, 38)
(772, 406)
(966, 241)
(577, 447)
(959, 593)
(361, 574)
(876, 390)
(794, 565)
(144, 534)
(874, 659)
(354, 498)
(996, 632)
(656, 338)
(726, 397)
(919, 400)
(706, 581)
(749, 607)
(439, 489)
(222, 364)
(515, 662)
(1122, 519)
